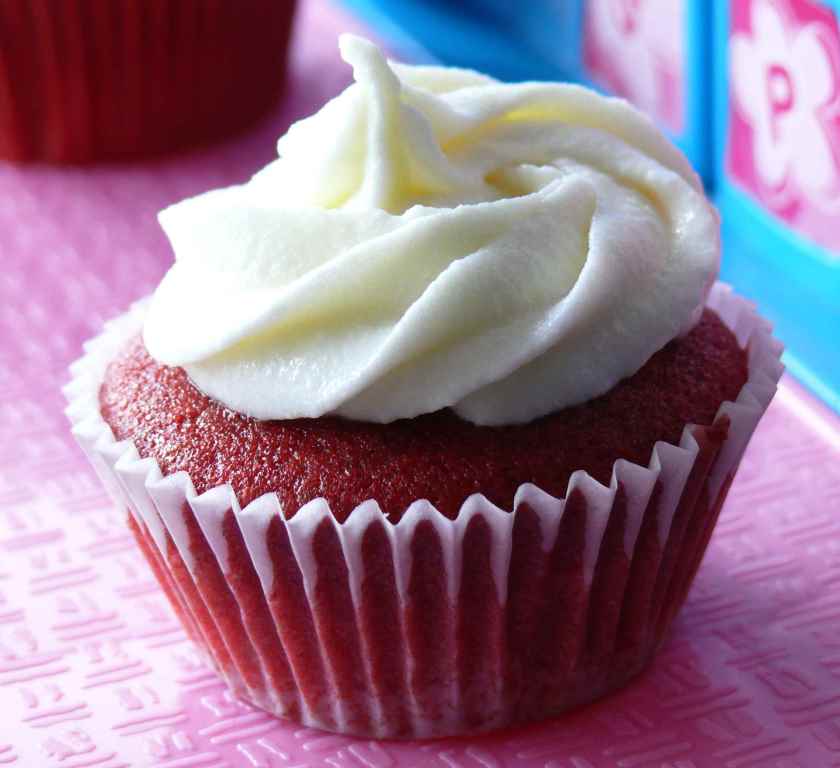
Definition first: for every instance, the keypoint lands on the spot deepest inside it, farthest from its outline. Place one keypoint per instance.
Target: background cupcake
(102, 80)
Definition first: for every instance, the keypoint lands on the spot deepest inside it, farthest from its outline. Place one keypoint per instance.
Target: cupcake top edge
(434, 238)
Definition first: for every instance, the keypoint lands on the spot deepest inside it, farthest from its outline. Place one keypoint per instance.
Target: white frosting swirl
(435, 238)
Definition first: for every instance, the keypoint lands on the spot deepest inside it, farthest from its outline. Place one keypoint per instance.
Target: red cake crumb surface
(438, 456)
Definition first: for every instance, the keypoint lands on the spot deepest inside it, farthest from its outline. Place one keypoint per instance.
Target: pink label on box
(636, 49)
(784, 121)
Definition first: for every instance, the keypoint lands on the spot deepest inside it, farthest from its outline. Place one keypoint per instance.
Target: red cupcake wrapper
(430, 626)
(84, 80)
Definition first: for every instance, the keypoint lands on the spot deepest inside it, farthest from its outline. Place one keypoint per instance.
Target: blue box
(777, 147)
(497, 37)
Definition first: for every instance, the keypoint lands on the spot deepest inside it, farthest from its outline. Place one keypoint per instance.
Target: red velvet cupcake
(95, 80)
(429, 425)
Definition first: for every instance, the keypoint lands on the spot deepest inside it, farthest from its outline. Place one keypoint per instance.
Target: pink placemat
(95, 671)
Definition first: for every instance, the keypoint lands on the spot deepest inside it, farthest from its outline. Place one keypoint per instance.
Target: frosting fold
(433, 238)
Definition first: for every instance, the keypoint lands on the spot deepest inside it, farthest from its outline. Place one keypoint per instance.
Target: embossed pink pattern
(96, 673)
(636, 49)
(784, 117)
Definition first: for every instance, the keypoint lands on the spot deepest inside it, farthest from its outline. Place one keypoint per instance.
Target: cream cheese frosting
(434, 238)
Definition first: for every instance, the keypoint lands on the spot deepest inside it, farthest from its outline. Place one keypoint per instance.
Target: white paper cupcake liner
(430, 626)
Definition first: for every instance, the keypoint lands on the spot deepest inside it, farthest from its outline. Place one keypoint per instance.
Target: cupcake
(427, 428)
(110, 79)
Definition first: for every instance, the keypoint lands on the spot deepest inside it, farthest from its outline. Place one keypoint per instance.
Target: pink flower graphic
(784, 83)
(635, 48)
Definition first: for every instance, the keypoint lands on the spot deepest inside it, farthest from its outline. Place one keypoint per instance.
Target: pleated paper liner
(430, 626)
(85, 80)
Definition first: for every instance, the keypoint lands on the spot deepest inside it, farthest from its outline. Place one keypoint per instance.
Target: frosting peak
(434, 238)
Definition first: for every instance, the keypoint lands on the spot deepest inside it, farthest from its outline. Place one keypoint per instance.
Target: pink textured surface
(95, 671)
